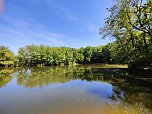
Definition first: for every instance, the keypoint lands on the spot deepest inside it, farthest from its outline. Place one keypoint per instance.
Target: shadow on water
(117, 88)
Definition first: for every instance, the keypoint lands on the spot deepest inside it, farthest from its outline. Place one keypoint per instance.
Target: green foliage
(88, 53)
(45, 55)
(7, 57)
(78, 55)
(130, 24)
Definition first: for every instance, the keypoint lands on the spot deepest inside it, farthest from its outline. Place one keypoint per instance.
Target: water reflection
(5, 77)
(73, 90)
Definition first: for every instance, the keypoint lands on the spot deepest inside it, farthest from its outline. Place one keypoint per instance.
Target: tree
(79, 57)
(7, 57)
(88, 54)
(130, 24)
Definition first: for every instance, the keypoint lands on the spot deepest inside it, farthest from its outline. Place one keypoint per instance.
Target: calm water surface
(87, 89)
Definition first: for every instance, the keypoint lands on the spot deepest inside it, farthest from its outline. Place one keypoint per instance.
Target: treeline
(45, 55)
(130, 25)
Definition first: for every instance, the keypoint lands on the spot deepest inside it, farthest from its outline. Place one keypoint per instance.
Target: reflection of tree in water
(32, 77)
(41, 76)
(5, 77)
(140, 100)
(126, 89)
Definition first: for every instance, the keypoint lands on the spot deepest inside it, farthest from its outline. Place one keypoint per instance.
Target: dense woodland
(45, 55)
(129, 24)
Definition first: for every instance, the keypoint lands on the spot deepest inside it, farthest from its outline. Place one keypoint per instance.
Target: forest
(45, 55)
(129, 25)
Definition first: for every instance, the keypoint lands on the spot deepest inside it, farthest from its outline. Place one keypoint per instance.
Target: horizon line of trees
(129, 24)
(47, 56)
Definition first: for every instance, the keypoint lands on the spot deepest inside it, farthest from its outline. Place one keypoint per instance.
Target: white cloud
(23, 31)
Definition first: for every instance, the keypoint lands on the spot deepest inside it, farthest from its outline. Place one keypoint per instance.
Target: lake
(82, 89)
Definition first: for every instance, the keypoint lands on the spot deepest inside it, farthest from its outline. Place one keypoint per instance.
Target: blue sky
(71, 23)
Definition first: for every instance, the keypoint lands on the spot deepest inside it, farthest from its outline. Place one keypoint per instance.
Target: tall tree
(130, 24)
